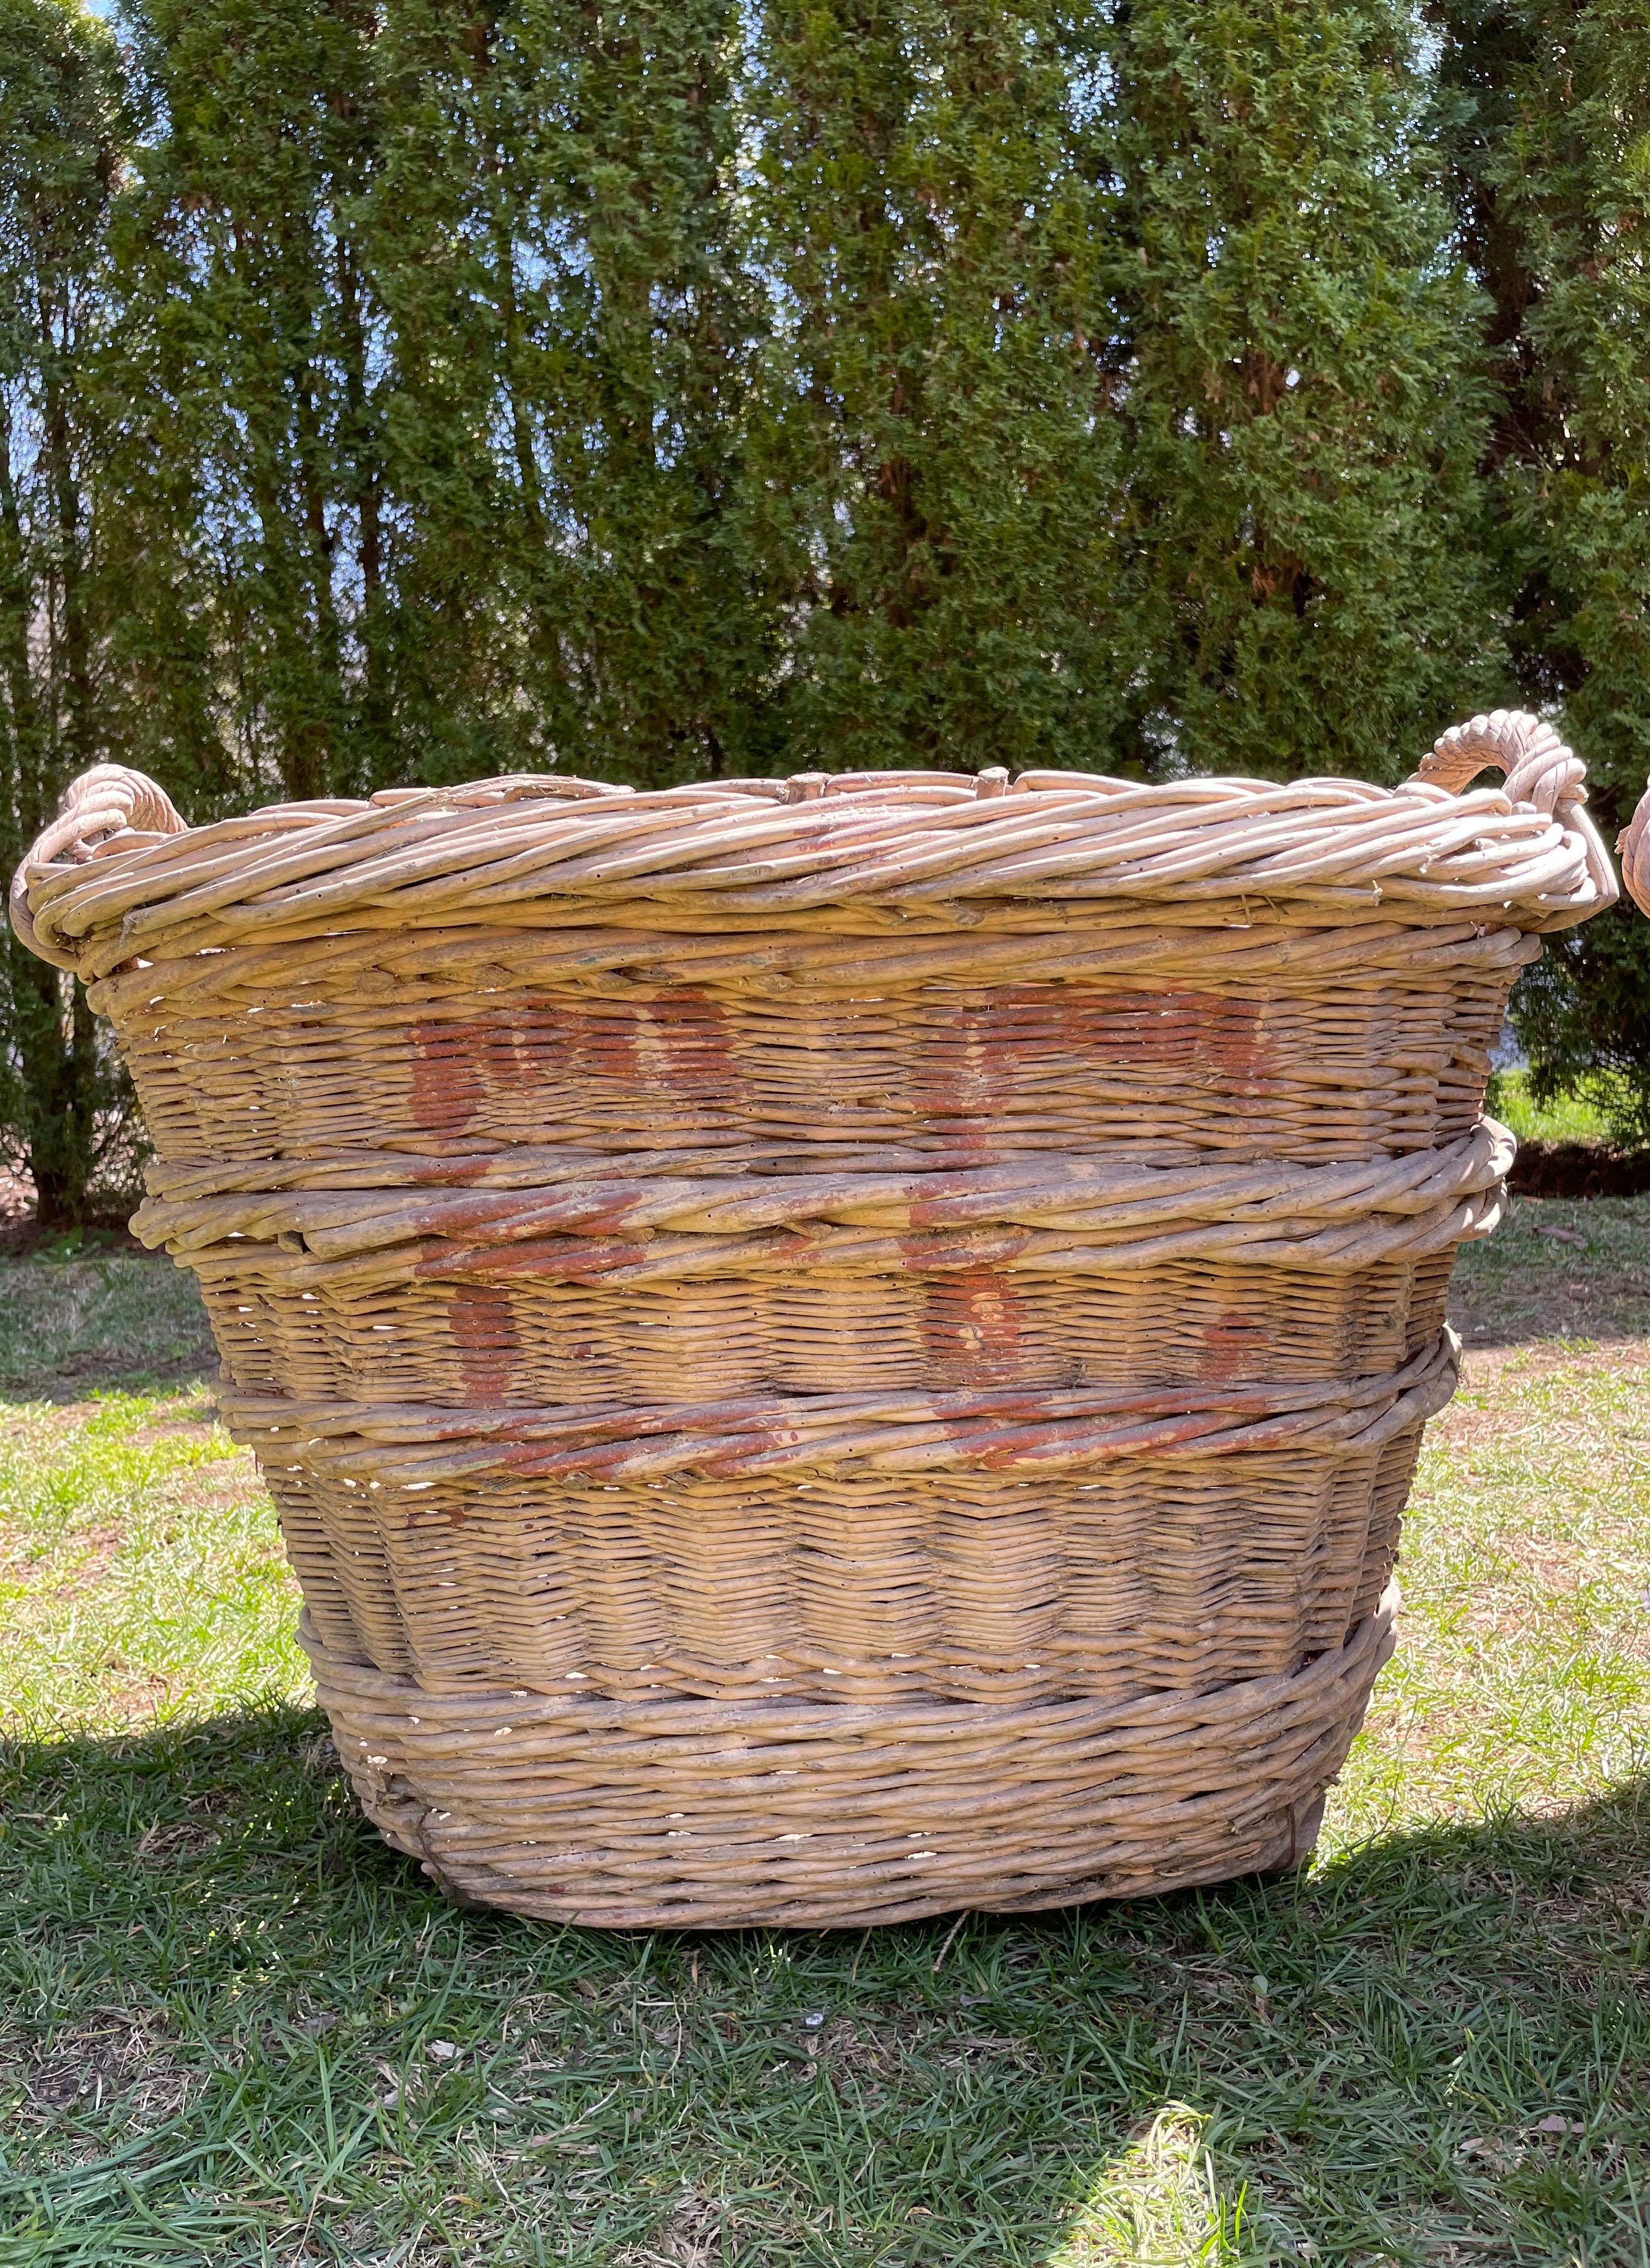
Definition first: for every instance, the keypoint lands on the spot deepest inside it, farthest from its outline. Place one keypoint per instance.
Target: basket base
(697, 1814)
(1306, 1825)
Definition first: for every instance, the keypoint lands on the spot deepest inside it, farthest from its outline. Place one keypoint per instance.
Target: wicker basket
(836, 1348)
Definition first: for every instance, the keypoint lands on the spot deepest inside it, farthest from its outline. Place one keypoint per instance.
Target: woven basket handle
(1632, 847)
(106, 802)
(1539, 769)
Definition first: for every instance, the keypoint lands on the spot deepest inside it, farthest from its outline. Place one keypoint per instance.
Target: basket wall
(504, 1338)
(429, 1062)
(1141, 1576)
(1393, 1060)
(674, 1815)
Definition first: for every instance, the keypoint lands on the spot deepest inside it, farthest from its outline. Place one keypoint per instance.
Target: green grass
(69, 1325)
(236, 2030)
(1565, 1118)
(1559, 1270)
(140, 1568)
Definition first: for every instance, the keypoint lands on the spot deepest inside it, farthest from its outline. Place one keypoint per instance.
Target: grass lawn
(1565, 1118)
(235, 2028)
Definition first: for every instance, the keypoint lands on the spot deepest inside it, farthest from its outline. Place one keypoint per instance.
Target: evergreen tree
(1124, 403)
(666, 389)
(444, 331)
(1303, 402)
(935, 467)
(253, 416)
(63, 1098)
(1548, 117)
(552, 238)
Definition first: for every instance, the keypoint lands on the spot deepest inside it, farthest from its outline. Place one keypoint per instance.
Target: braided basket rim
(138, 884)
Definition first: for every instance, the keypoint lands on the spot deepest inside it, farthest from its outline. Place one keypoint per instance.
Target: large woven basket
(838, 1348)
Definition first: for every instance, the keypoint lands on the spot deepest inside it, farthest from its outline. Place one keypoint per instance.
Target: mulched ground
(1579, 1169)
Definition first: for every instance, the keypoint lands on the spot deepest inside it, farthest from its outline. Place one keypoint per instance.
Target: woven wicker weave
(1633, 847)
(835, 1348)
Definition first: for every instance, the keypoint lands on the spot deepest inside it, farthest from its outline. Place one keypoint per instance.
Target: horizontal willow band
(1045, 1428)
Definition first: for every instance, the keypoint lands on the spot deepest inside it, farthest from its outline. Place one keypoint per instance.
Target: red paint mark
(455, 1172)
(961, 1061)
(985, 1054)
(674, 1044)
(1230, 1343)
(971, 1327)
(484, 1332)
(563, 1259)
(457, 1067)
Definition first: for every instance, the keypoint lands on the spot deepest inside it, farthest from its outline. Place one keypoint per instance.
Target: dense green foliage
(1547, 125)
(680, 387)
(64, 1102)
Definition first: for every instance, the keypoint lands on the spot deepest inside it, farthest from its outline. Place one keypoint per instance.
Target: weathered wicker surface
(941, 1277)
(1634, 849)
(709, 1814)
(992, 1544)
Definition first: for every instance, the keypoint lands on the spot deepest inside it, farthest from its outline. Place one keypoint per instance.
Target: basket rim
(120, 868)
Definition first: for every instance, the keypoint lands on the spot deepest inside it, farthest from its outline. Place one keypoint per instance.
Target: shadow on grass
(71, 1328)
(1556, 1269)
(240, 2029)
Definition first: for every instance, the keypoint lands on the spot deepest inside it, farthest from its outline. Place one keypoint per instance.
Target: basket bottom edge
(627, 1828)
